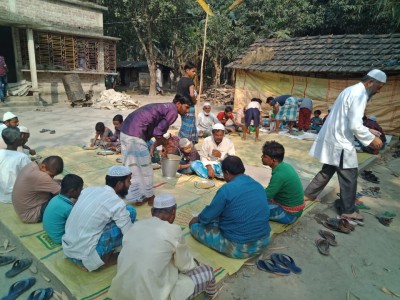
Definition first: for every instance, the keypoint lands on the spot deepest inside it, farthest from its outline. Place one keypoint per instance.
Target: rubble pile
(110, 99)
(220, 95)
(21, 88)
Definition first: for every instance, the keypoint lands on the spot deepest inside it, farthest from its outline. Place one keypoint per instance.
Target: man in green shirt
(284, 192)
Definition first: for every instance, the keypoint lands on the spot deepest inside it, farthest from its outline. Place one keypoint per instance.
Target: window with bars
(64, 52)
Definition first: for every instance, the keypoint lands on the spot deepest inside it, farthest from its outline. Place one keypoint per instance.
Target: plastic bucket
(170, 165)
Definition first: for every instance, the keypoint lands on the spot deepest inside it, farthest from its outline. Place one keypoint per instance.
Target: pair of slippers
(5, 260)
(51, 131)
(19, 265)
(328, 239)
(339, 225)
(369, 176)
(279, 264)
(19, 287)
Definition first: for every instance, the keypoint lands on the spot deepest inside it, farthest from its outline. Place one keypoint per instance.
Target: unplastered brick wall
(60, 15)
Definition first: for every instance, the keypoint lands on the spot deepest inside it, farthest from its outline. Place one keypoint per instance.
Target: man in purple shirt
(152, 120)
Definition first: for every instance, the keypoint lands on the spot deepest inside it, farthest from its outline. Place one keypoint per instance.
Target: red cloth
(304, 118)
(3, 66)
(374, 125)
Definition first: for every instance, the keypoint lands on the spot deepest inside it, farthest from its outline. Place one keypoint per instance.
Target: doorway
(7, 51)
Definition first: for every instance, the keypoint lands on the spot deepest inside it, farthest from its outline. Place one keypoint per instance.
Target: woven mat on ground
(92, 168)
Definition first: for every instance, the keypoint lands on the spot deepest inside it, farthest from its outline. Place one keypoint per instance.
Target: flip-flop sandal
(323, 246)
(52, 132)
(5, 260)
(335, 225)
(286, 261)
(44, 130)
(346, 224)
(329, 236)
(348, 220)
(19, 266)
(19, 287)
(271, 267)
(41, 294)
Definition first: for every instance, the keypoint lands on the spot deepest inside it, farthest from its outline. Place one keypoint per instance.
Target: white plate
(156, 166)
(204, 184)
(105, 152)
(85, 147)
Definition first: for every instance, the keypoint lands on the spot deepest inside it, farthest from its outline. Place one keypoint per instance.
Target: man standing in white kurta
(334, 145)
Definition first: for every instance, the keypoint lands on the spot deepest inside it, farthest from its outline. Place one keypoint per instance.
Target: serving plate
(105, 152)
(204, 184)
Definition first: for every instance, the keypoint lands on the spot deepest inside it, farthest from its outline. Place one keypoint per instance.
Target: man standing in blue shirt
(236, 221)
(60, 206)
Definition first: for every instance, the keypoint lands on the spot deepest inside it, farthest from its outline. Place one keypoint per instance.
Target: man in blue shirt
(60, 206)
(236, 221)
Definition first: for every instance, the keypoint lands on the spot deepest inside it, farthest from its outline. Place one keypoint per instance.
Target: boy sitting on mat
(284, 191)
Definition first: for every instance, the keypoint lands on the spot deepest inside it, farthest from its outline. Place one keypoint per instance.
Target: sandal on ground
(286, 261)
(271, 267)
(329, 236)
(41, 294)
(323, 246)
(19, 287)
(348, 225)
(336, 225)
(19, 266)
(5, 260)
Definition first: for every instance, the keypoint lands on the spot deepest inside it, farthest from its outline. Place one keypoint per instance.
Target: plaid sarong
(204, 281)
(136, 156)
(211, 236)
(188, 128)
(288, 110)
(110, 239)
(278, 214)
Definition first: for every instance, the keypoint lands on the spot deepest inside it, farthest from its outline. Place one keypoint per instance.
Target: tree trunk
(217, 70)
(153, 77)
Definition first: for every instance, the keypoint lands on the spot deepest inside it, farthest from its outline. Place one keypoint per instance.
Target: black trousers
(347, 182)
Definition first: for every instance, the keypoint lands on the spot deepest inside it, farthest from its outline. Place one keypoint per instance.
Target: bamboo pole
(202, 58)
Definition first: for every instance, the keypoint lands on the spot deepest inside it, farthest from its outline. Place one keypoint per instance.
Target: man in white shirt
(11, 162)
(205, 120)
(334, 145)
(155, 262)
(98, 221)
(213, 150)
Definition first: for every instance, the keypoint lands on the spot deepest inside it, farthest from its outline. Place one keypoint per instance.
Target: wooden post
(202, 58)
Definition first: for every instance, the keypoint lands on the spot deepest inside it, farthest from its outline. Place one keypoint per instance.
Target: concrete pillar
(17, 52)
(32, 58)
(100, 67)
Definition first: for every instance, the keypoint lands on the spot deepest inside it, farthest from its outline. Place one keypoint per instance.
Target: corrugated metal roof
(341, 53)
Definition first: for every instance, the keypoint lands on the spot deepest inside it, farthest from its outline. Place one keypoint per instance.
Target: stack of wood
(110, 99)
(220, 95)
(21, 88)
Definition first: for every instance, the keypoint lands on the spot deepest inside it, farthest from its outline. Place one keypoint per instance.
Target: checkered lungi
(288, 110)
(188, 128)
(204, 281)
(211, 236)
(110, 239)
(136, 156)
(278, 214)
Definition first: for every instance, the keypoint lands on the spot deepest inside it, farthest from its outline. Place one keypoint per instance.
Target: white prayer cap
(372, 117)
(164, 201)
(207, 104)
(23, 129)
(218, 126)
(119, 171)
(8, 116)
(184, 143)
(377, 75)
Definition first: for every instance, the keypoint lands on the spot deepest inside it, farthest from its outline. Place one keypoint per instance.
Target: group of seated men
(91, 223)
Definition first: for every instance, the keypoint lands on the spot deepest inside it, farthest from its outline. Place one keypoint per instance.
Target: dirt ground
(362, 266)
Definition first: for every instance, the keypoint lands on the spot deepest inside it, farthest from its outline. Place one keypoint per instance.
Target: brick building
(44, 40)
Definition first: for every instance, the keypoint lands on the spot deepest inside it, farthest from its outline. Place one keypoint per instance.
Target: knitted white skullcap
(218, 126)
(164, 201)
(377, 75)
(207, 104)
(8, 116)
(118, 171)
(184, 142)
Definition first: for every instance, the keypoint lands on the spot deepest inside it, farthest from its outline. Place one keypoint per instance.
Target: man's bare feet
(258, 140)
(243, 138)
